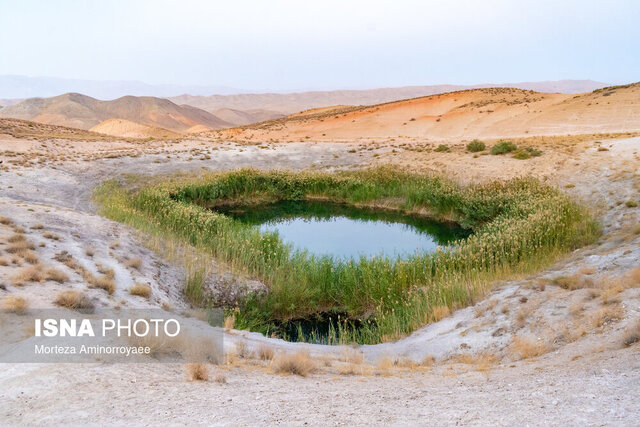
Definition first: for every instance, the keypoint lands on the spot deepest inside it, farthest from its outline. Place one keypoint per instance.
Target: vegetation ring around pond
(518, 226)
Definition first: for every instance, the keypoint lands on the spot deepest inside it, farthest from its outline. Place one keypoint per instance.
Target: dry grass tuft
(297, 364)
(429, 360)
(573, 282)
(33, 273)
(571, 333)
(15, 304)
(105, 282)
(229, 322)
(354, 369)
(610, 295)
(608, 315)
(242, 350)
(18, 237)
(74, 300)
(586, 270)
(220, 378)
(523, 314)
(632, 335)
(439, 312)
(141, 290)
(20, 246)
(51, 236)
(482, 361)
(55, 275)
(350, 355)
(133, 263)
(526, 348)
(5, 221)
(29, 256)
(383, 366)
(265, 352)
(3, 262)
(37, 227)
(197, 372)
(634, 276)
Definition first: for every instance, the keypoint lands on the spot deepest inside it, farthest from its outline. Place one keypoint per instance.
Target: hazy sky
(282, 45)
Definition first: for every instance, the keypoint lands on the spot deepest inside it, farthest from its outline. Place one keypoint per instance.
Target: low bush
(197, 372)
(141, 290)
(74, 300)
(534, 152)
(442, 148)
(476, 146)
(503, 147)
(15, 304)
(296, 364)
(521, 155)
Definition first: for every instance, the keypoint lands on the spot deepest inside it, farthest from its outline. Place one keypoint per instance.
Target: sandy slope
(582, 379)
(129, 129)
(481, 113)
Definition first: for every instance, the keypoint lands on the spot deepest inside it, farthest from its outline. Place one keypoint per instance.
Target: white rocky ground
(530, 353)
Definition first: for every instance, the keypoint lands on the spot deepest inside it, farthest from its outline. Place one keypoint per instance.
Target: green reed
(518, 226)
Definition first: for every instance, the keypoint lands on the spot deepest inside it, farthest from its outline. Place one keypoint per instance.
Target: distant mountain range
(84, 112)
(140, 116)
(288, 103)
(12, 87)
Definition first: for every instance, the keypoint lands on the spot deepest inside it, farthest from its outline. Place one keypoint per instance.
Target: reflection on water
(344, 231)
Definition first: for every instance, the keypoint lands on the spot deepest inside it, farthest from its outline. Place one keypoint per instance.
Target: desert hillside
(83, 112)
(288, 103)
(23, 129)
(129, 129)
(477, 113)
(245, 117)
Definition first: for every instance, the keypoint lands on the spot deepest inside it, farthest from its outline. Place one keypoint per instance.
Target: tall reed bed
(518, 226)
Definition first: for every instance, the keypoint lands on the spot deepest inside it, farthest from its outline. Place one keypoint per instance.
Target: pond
(345, 231)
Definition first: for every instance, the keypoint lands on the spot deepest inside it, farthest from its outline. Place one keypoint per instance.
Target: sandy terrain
(531, 352)
(480, 113)
(129, 129)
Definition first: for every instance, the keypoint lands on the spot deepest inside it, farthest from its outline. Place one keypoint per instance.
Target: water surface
(344, 231)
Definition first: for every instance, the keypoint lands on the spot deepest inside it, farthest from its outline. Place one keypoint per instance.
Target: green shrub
(521, 155)
(476, 146)
(503, 147)
(534, 152)
(631, 203)
(442, 148)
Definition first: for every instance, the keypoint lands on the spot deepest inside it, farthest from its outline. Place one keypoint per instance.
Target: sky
(299, 45)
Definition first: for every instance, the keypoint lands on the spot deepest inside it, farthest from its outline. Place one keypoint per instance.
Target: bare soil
(534, 351)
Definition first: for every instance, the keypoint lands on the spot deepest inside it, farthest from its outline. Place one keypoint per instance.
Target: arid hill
(25, 129)
(129, 129)
(240, 118)
(288, 103)
(83, 112)
(478, 113)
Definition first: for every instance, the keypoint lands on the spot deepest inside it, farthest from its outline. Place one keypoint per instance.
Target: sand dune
(83, 112)
(478, 113)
